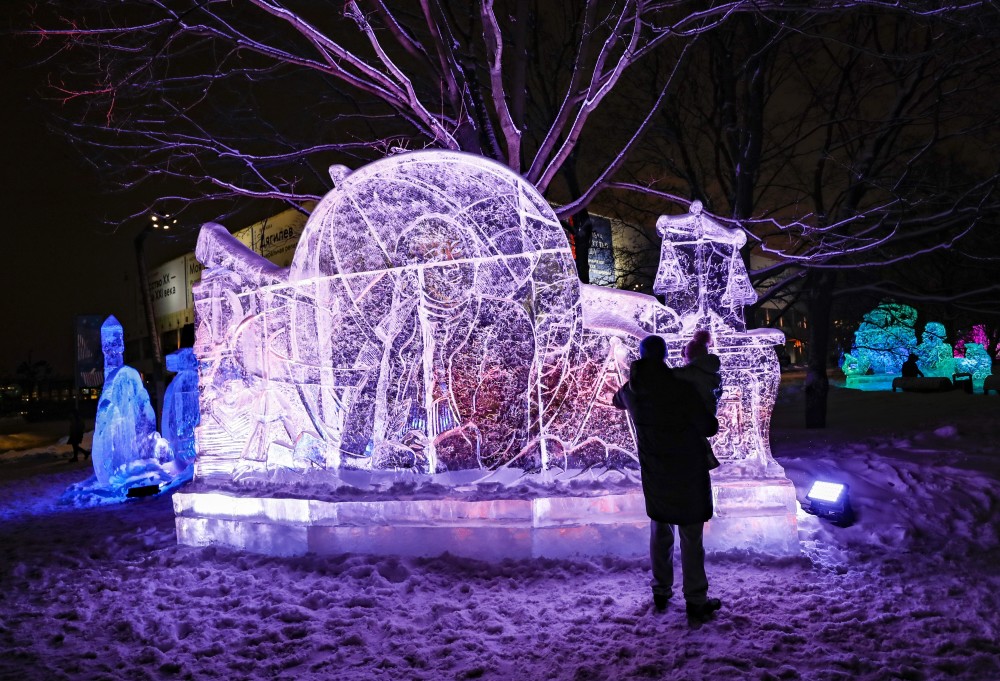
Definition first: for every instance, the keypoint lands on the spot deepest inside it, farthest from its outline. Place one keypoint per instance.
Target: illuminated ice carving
(976, 362)
(885, 338)
(703, 280)
(432, 322)
(935, 357)
(125, 427)
(180, 405)
(853, 366)
(977, 334)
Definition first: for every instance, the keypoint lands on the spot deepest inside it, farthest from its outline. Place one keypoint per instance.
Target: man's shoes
(702, 612)
(660, 602)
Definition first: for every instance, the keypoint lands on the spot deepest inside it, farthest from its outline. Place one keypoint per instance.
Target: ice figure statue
(180, 406)
(976, 362)
(854, 366)
(432, 325)
(125, 426)
(936, 358)
(703, 279)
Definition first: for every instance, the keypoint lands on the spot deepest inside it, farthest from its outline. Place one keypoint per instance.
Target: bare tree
(820, 135)
(833, 139)
(255, 99)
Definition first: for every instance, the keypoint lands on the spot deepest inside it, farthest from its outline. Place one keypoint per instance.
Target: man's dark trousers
(661, 551)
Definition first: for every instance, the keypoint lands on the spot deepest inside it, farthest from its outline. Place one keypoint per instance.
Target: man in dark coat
(671, 423)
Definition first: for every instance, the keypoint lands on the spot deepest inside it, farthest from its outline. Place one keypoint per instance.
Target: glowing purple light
(432, 324)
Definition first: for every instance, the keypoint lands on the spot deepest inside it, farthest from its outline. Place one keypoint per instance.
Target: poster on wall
(192, 270)
(89, 358)
(601, 256)
(167, 286)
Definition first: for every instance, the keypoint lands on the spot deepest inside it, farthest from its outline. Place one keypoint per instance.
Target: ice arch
(431, 324)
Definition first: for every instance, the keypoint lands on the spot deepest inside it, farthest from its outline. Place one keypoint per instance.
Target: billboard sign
(89, 371)
(167, 286)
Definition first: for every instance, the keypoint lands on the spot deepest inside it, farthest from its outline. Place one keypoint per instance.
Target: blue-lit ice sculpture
(432, 325)
(125, 426)
(977, 361)
(180, 406)
(935, 357)
(885, 338)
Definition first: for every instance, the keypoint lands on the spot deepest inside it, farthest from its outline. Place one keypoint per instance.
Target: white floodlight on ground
(830, 500)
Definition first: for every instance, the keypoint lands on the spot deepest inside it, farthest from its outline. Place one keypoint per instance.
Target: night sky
(61, 258)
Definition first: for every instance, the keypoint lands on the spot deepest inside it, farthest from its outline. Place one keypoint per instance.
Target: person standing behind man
(702, 371)
(671, 423)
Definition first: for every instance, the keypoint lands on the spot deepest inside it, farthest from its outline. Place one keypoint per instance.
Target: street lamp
(162, 221)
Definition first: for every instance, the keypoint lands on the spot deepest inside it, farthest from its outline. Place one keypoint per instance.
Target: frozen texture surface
(180, 405)
(883, 341)
(125, 427)
(127, 451)
(935, 356)
(976, 362)
(432, 322)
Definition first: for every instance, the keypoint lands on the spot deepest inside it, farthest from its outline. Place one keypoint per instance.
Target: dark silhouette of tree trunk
(151, 327)
(819, 287)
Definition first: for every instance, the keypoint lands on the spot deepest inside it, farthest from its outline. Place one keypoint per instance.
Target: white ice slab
(758, 516)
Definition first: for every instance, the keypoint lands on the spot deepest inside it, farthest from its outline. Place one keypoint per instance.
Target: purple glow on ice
(432, 321)
(432, 325)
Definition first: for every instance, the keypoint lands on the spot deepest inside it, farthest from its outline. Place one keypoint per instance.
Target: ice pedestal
(754, 516)
(491, 529)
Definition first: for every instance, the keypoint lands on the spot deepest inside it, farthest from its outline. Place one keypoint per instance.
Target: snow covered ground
(910, 591)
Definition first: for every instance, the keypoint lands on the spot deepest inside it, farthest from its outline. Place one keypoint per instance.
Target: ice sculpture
(854, 366)
(432, 323)
(125, 426)
(886, 337)
(935, 357)
(180, 406)
(703, 279)
(976, 362)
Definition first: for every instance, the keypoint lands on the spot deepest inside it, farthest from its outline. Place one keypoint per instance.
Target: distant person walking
(910, 369)
(76, 429)
(671, 423)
